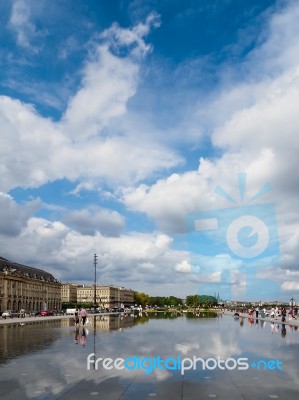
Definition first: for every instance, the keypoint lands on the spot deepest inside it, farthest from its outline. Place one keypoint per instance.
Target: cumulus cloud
(253, 123)
(169, 201)
(109, 80)
(290, 286)
(184, 267)
(28, 142)
(108, 83)
(82, 144)
(87, 222)
(134, 259)
(14, 217)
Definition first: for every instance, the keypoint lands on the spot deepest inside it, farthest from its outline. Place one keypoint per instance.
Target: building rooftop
(12, 268)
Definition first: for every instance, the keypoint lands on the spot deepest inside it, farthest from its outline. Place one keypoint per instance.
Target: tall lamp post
(95, 282)
(94, 306)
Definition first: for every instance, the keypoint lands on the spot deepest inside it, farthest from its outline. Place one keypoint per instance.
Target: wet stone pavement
(47, 359)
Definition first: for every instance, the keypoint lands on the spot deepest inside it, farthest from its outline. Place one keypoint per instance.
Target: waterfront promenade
(277, 320)
(26, 320)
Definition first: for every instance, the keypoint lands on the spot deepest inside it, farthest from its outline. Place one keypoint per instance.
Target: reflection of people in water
(83, 339)
(241, 321)
(76, 334)
(283, 330)
(274, 327)
(283, 314)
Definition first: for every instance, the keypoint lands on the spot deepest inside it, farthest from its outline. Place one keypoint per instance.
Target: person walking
(257, 312)
(76, 317)
(83, 315)
(283, 314)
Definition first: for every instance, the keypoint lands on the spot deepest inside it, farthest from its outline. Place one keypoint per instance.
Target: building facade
(23, 287)
(69, 292)
(107, 296)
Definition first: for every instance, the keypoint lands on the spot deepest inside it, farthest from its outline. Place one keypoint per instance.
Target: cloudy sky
(120, 119)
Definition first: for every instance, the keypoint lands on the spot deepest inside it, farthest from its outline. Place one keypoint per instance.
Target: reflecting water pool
(161, 356)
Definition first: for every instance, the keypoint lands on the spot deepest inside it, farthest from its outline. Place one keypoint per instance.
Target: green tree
(200, 300)
(207, 300)
(192, 300)
(141, 299)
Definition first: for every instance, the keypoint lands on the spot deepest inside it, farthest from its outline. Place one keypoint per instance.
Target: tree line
(144, 300)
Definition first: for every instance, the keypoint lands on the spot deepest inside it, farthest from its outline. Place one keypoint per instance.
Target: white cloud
(184, 267)
(108, 83)
(21, 22)
(168, 201)
(290, 286)
(132, 259)
(118, 37)
(87, 222)
(109, 80)
(254, 123)
(13, 216)
(86, 143)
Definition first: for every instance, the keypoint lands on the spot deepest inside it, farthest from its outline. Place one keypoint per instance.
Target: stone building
(69, 292)
(28, 288)
(107, 296)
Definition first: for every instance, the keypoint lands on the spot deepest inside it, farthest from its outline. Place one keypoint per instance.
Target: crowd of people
(275, 313)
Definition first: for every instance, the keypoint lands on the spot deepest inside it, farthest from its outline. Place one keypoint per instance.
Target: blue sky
(119, 119)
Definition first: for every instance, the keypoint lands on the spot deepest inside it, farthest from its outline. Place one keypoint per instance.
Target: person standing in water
(76, 317)
(83, 315)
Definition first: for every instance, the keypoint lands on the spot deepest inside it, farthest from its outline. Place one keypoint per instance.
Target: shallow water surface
(48, 360)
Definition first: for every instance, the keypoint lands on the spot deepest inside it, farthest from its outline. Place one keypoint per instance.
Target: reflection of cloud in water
(162, 375)
(183, 348)
(63, 364)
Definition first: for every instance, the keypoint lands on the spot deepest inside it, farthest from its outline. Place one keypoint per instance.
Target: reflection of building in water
(108, 296)
(113, 322)
(28, 288)
(66, 322)
(16, 340)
